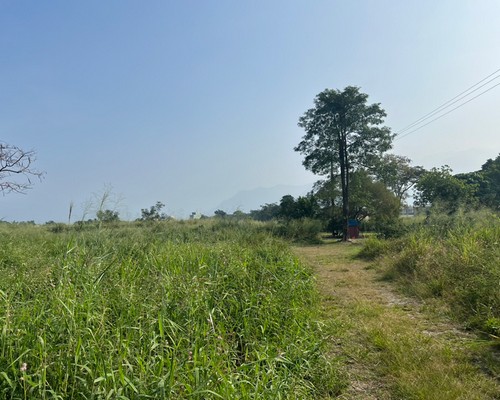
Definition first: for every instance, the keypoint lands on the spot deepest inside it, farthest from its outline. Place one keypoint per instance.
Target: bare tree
(16, 169)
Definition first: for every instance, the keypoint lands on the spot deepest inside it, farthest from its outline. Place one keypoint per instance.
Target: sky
(191, 102)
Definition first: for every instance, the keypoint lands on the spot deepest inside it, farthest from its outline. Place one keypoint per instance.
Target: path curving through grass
(392, 347)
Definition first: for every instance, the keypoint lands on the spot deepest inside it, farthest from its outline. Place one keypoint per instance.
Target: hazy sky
(190, 102)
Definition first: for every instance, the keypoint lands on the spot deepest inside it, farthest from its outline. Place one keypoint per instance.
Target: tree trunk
(346, 207)
(344, 176)
(332, 199)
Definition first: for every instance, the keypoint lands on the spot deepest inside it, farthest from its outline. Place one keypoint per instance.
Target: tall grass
(168, 310)
(453, 258)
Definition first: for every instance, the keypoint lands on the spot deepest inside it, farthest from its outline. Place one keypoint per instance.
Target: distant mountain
(247, 200)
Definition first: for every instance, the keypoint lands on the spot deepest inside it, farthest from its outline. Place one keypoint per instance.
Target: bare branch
(16, 169)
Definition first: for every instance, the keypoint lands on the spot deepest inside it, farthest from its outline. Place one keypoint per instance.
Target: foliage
(343, 133)
(16, 162)
(303, 230)
(192, 309)
(239, 215)
(289, 208)
(220, 213)
(485, 183)
(154, 213)
(370, 202)
(490, 192)
(372, 199)
(267, 212)
(302, 207)
(373, 247)
(107, 216)
(397, 174)
(439, 186)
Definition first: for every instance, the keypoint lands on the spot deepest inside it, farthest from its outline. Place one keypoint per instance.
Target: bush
(299, 230)
(372, 248)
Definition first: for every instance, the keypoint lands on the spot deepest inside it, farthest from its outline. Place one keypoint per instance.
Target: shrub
(299, 230)
(372, 248)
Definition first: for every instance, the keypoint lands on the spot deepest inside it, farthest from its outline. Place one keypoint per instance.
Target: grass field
(199, 310)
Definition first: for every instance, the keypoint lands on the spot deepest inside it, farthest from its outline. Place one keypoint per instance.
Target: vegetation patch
(200, 310)
(393, 348)
(456, 259)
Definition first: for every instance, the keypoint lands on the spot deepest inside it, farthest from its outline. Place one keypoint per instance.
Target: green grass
(398, 351)
(458, 263)
(198, 310)
(452, 263)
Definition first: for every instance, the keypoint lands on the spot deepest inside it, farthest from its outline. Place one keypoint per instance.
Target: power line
(443, 107)
(442, 115)
(450, 102)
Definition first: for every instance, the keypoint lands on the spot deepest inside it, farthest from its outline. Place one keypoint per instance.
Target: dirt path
(373, 324)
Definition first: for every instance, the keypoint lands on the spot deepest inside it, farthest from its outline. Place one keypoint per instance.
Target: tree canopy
(154, 213)
(439, 186)
(397, 174)
(343, 133)
(486, 183)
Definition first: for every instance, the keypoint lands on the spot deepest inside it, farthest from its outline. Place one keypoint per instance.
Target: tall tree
(343, 133)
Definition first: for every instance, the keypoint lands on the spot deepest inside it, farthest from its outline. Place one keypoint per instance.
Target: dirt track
(353, 293)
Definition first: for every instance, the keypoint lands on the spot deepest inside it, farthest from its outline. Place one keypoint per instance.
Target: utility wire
(449, 111)
(450, 102)
(443, 107)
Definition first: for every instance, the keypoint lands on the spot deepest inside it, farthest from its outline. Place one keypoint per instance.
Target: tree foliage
(267, 212)
(439, 186)
(471, 190)
(343, 133)
(486, 183)
(302, 207)
(107, 216)
(372, 199)
(220, 213)
(397, 174)
(16, 169)
(154, 213)
(490, 194)
(371, 202)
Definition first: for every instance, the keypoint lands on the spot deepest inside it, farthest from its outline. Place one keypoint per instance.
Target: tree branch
(14, 162)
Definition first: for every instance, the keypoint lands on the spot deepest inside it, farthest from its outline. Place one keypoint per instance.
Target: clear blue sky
(190, 102)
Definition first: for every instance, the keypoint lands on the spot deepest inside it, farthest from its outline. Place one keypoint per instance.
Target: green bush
(299, 230)
(373, 247)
